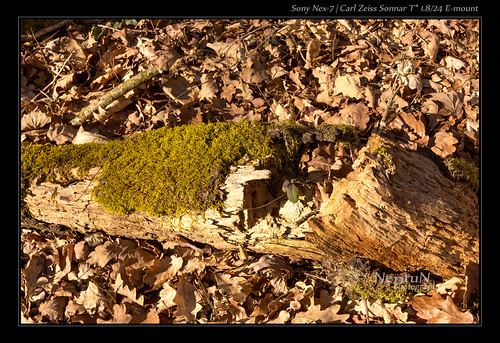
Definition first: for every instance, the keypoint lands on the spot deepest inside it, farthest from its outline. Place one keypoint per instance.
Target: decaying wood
(238, 226)
(405, 215)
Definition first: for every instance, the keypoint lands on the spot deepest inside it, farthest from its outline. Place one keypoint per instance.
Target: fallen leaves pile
(313, 71)
(97, 280)
(272, 70)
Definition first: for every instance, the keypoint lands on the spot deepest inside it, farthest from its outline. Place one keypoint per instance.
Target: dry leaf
(312, 51)
(61, 133)
(162, 270)
(356, 114)
(187, 300)
(444, 144)
(255, 72)
(438, 310)
(83, 137)
(167, 295)
(315, 315)
(450, 103)
(230, 50)
(34, 120)
(103, 254)
(209, 87)
(120, 315)
(349, 86)
(432, 47)
(455, 63)
(233, 286)
(53, 308)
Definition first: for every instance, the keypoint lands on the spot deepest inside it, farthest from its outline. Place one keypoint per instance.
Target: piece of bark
(398, 209)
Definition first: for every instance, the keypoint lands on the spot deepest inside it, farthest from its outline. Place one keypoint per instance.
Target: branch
(114, 94)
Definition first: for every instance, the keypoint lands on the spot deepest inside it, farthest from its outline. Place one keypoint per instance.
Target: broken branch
(114, 94)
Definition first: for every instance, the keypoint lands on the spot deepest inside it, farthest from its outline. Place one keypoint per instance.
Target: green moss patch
(168, 171)
(463, 171)
(172, 170)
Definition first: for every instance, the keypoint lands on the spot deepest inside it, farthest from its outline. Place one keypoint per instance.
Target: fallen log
(395, 207)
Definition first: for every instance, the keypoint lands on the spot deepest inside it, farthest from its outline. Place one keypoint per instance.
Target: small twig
(384, 122)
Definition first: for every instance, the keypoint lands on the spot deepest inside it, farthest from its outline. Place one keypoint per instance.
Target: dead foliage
(312, 71)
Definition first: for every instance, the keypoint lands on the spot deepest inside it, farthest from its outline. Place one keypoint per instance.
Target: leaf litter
(313, 71)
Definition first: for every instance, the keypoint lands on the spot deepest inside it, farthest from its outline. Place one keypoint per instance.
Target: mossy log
(395, 207)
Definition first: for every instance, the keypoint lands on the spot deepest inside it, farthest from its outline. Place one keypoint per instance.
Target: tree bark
(402, 212)
(395, 208)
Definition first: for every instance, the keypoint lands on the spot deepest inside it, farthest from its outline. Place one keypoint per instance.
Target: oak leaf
(444, 144)
(438, 310)
(187, 300)
(349, 86)
(34, 120)
(315, 315)
(356, 114)
(120, 316)
(53, 308)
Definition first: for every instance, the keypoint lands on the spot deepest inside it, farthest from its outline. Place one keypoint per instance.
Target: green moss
(385, 152)
(172, 170)
(371, 289)
(168, 171)
(55, 163)
(463, 171)
(341, 133)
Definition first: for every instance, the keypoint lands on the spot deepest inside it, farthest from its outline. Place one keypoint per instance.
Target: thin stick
(383, 123)
(114, 94)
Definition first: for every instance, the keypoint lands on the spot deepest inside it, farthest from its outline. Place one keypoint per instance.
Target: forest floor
(312, 71)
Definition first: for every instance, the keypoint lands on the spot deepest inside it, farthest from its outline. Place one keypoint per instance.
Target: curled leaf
(292, 192)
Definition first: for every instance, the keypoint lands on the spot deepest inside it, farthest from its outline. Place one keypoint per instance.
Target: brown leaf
(414, 122)
(163, 270)
(187, 300)
(450, 103)
(255, 72)
(61, 133)
(444, 144)
(209, 87)
(312, 51)
(167, 295)
(230, 50)
(53, 308)
(83, 137)
(315, 315)
(438, 310)
(102, 254)
(34, 120)
(356, 114)
(92, 297)
(120, 315)
(234, 286)
(131, 292)
(349, 86)
(432, 47)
